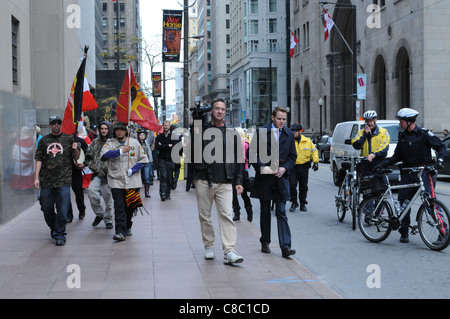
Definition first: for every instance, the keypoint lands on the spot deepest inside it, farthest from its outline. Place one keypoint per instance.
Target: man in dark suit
(272, 153)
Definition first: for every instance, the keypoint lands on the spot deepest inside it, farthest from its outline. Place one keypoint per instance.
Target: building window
(105, 7)
(253, 6)
(105, 22)
(273, 45)
(272, 5)
(272, 25)
(253, 27)
(253, 46)
(15, 50)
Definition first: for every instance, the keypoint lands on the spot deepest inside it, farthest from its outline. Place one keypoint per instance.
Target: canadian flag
(294, 42)
(329, 23)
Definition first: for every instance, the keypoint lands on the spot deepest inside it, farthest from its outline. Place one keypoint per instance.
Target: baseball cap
(296, 127)
(54, 118)
(120, 125)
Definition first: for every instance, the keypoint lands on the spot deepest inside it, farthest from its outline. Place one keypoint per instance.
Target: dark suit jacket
(267, 186)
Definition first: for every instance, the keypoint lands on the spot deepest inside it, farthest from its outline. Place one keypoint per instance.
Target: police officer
(306, 153)
(373, 141)
(414, 149)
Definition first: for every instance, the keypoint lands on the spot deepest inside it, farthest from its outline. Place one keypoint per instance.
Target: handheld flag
(294, 42)
(134, 106)
(329, 23)
(80, 100)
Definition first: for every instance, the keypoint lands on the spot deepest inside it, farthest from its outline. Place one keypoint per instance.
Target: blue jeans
(284, 232)
(49, 197)
(146, 174)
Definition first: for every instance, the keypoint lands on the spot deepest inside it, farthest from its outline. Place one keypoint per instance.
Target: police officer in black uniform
(414, 149)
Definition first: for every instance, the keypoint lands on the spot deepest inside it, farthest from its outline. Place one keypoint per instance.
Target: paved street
(340, 257)
(162, 260)
(164, 257)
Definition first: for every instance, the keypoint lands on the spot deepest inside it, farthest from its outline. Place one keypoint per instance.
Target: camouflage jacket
(56, 155)
(93, 158)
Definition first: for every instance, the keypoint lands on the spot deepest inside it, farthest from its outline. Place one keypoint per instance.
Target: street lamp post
(320, 102)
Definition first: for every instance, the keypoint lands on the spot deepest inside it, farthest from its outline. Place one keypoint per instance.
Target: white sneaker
(209, 253)
(232, 258)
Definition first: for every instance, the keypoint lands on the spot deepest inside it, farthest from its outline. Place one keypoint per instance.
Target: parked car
(323, 146)
(446, 169)
(346, 131)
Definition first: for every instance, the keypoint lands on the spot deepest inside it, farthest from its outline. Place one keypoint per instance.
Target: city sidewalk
(162, 260)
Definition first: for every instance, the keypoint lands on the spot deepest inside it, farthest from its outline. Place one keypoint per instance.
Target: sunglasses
(56, 123)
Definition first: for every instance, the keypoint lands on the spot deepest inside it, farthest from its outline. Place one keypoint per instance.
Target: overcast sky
(151, 19)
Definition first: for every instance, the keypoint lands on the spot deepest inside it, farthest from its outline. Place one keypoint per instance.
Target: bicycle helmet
(407, 114)
(370, 115)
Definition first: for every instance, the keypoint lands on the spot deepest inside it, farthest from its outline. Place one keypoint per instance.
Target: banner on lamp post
(172, 25)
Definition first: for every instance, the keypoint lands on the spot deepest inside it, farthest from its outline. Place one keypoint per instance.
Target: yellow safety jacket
(376, 142)
(306, 150)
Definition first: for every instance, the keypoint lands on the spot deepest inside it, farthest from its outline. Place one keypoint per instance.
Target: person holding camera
(213, 183)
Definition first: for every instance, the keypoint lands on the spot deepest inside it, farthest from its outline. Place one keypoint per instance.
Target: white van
(347, 131)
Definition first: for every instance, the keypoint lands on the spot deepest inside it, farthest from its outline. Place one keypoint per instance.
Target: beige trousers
(222, 196)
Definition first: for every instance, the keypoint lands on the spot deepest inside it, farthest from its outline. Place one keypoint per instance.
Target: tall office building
(42, 47)
(258, 60)
(121, 33)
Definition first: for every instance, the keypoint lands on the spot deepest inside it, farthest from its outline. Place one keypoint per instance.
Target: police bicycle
(380, 214)
(349, 195)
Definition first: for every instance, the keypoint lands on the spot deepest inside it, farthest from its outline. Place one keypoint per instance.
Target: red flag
(329, 23)
(71, 115)
(294, 42)
(140, 112)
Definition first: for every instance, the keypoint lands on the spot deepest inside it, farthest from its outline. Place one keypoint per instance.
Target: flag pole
(129, 109)
(86, 49)
(345, 41)
(313, 65)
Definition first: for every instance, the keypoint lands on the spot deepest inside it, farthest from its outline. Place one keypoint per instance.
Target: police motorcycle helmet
(370, 115)
(407, 114)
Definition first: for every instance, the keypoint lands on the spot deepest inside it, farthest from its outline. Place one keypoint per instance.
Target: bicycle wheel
(341, 202)
(433, 222)
(373, 219)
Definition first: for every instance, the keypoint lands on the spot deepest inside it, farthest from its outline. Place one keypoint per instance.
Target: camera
(199, 112)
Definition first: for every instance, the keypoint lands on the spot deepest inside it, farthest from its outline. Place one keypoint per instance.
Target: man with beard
(54, 157)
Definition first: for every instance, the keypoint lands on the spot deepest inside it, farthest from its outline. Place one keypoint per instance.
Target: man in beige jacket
(125, 158)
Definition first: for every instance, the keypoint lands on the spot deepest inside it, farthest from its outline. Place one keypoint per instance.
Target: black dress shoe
(82, 215)
(97, 221)
(286, 252)
(293, 207)
(60, 242)
(265, 248)
(303, 208)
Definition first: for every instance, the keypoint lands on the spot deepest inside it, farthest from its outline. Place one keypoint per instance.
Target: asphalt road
(353, 266)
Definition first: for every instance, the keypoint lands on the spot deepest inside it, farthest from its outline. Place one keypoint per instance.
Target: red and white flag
(80, 100)
(294, 42)
(329, 23)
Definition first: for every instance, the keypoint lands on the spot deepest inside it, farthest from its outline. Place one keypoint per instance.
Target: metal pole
(270, 85)
(163, 104)
(186, 66)
(118, 49)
